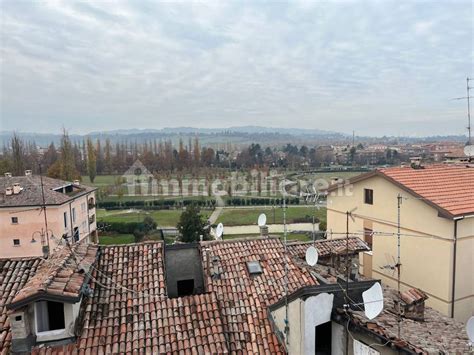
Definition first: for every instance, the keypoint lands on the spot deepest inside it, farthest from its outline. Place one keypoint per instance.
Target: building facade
(436, 228)
(37, 213)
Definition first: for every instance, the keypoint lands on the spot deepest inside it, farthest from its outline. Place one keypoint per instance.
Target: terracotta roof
(14, 274)
(31, 194)
(62, 275)
(438, 334)
(413, 295)
(448, 188)
(243, 298)
(326, 247)
(130, 312)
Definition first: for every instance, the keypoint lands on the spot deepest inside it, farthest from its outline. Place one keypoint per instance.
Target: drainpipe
(453, 291)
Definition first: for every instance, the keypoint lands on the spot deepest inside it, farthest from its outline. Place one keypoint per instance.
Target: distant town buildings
(436, 223)
(25, 202)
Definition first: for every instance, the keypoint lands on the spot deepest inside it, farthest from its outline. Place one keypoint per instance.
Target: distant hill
(218, 137)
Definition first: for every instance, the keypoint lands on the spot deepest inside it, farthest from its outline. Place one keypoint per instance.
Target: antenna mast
(399, 319)
(43, 207)
(287, 327)
(468, 89)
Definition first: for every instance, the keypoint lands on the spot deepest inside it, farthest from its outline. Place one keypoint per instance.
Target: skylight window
(254, 267)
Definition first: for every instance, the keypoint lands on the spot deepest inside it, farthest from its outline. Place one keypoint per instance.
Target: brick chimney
(412, 304)
(17, 188)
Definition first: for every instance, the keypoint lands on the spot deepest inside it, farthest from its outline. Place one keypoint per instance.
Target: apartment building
(437, 229)
(36, 213)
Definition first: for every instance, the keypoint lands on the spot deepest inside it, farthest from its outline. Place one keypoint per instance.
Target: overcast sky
(374, 67)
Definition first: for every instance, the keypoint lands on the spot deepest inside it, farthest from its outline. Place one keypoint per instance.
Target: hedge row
(154, 204)
(119, 227)
(236, 201)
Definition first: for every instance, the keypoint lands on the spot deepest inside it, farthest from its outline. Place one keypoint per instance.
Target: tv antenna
(468, 99)
(219, 231)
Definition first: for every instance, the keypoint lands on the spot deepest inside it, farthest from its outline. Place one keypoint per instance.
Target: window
(323, 338)
(74, 215)
(83, 207)
(368, 236)
(369, 196)
(49, 316)
(185, 287)
(254, 267)
(14, 220)
(76, 234)
(65, 219)
(18, 318)
(16, 242)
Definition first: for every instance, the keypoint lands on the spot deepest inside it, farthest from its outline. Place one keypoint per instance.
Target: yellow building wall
(427, 242)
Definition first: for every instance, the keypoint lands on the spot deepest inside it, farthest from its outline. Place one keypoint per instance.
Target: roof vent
(8, 175)
(9, 191)
(17, 188)
(254, 267)
(28, 172)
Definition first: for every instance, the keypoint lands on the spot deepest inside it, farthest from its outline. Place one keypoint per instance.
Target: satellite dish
(262, 220)
(373, 301)
(219, 230)
(470, 329)
(311, 256)
(469, 150)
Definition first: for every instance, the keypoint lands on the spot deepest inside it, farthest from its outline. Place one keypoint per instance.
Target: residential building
(436, 227)
(28, 203)
(209, 298)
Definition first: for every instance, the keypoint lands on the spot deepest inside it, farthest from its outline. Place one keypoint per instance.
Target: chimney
(28, 172)
(76, 183)
(8, 191)
(412, 304)
(17, 188)
(264, 231)
(8, 175)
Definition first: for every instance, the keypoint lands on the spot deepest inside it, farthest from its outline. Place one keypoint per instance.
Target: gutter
(455, 246)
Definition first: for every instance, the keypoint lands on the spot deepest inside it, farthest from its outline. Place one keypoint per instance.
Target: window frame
(368, 196)
(47, 332)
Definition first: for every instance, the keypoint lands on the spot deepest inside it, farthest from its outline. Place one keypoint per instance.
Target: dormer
(47, 309)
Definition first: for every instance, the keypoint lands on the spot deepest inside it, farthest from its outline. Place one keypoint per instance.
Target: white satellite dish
(373, 301)
(219, 230)
(470, 329)
(311, 256)
(469, 150)
(262, 220)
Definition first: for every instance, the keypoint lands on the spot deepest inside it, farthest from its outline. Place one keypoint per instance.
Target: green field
(116, 239)
(100, 180)
(165, 218)
(246, 216)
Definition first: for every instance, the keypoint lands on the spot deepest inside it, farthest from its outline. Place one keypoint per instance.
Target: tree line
(73, 159)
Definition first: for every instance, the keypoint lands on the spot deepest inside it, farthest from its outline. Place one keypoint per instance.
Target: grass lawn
(162, 217)
(100, 180)
(246, 216)
(116, 239)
